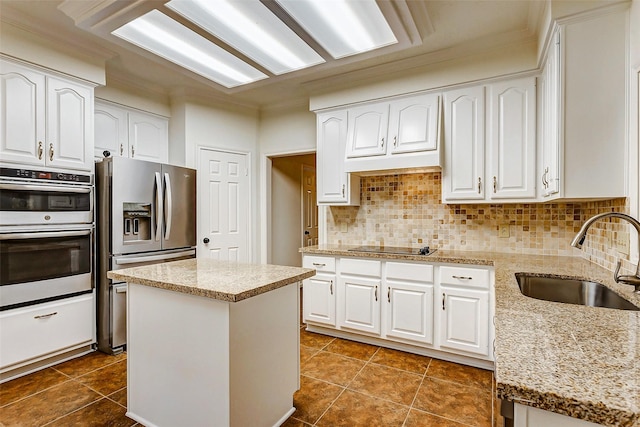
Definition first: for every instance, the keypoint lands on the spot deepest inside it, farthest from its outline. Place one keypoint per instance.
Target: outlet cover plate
(503, 230)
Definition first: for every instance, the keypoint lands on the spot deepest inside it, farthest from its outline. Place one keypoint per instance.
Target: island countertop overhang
(221, 280)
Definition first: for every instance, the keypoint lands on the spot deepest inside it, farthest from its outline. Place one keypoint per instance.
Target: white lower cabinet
(413, 306)
(35, 332)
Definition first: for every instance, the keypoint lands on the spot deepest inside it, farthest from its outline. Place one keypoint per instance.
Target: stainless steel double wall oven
(46, 236)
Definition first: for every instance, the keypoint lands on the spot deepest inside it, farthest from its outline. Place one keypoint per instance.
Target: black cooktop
(394, 250)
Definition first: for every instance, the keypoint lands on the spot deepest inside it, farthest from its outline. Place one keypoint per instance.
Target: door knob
(306, 232)
(205, 240)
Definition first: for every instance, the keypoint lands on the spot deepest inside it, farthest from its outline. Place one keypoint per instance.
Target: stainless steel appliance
(46, 236)
(146, 215)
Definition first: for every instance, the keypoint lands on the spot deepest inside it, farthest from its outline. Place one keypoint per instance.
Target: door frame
(266, 164)
(303, 167)
(250, 222)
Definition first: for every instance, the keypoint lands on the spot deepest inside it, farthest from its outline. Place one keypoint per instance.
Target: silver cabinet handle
(331, 286)
(133, 151)
(389, 295)
(319, 264)
(479, 185)
(121, 149)
(343, 188)
(443, 299)
(495, 184)
(51, 152)
(45, 316)
(376, 293)
(40, 150)
(462, 277)
(382, 145)
(395, 141)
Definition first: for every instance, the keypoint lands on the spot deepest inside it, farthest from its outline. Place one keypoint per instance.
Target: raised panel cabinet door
(69, 142)
(111, 133)
(22, 114)
(359, 304)
(512, 139)
(148, 137)
(367, 130)
(409, 311)
(413, 124)
(463, 172)
(465, 320)
(332, 137)
(550, 172)
(319, 299)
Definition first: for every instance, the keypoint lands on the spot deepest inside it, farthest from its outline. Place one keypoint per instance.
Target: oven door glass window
(28, 200)
(51, 256)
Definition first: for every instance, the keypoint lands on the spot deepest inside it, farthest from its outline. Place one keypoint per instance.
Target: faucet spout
(578, 240)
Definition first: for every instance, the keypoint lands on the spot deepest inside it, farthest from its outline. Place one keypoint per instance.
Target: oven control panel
(45, 175)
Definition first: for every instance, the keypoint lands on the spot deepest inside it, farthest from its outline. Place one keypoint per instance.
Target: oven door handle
(44, 235)
(47, 188)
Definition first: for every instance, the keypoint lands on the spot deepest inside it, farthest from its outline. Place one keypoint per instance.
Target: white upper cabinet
(463, 172)
(367, 130)
(131, 133)
(512, 139)
(549, 165)
(335, 186)
(46, 120)
(413, 124)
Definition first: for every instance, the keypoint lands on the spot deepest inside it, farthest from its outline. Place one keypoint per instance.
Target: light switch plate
(503, 230)
(344, 227)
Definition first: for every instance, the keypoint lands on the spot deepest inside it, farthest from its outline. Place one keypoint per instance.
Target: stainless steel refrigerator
(146, 214)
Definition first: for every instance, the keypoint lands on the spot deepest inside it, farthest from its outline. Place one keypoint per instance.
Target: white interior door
(309, 207)
(223, 217)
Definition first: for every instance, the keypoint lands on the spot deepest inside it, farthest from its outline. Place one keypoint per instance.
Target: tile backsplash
(406, 210)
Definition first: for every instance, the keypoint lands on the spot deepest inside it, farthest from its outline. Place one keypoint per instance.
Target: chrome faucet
(582, 234)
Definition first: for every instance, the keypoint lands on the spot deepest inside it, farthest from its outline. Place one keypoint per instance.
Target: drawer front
(30, 332)
(320, 263)
(410, 271)
(361, 267)
(463, 276)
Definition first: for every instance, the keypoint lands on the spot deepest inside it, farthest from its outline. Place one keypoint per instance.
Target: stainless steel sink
(571, 291)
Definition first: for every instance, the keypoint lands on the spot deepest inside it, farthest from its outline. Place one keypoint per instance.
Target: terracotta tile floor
(343, 383)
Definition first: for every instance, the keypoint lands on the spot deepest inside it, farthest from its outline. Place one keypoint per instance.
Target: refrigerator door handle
(149, 258)
(158, 206)
(169, 208)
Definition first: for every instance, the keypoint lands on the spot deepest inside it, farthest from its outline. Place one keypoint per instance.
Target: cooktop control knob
(424, 251)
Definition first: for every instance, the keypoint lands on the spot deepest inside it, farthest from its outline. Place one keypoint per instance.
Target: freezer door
(136, 206)
(179, 197)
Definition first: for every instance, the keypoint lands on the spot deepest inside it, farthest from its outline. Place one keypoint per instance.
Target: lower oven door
(38, 266)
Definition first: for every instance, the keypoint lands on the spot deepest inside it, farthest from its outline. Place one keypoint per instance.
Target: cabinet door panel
(148, 137)
(110, 131)
(513, 138)
(360, 304)
(550, 172)
(464, 144)
(319, 299)
(413, 124)
(410, 311)
(69, 128)
(465, 320)
(332, 137)
(367, 130)
(22, 115)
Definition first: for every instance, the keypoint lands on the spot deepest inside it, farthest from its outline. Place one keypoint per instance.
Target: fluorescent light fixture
(165, 37)
(251, 28)
(342, 27)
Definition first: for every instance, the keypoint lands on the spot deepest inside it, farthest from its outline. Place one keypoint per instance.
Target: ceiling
(430, 31)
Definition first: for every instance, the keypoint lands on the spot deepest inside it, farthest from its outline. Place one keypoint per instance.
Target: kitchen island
(552, 358)
(212, 342)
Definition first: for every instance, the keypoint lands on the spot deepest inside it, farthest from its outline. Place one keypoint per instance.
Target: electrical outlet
(344, 227)
(620, 241)
(503, 230)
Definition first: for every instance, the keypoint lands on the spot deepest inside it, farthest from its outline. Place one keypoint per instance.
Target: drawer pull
(319, 264)
(45, 316)
(331, 287)
(463, 277)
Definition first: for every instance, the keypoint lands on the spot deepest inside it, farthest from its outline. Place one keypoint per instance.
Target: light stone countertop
(221, 280)
(570, 359)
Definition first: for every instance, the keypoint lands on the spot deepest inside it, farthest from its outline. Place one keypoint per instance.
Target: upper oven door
(35, 204)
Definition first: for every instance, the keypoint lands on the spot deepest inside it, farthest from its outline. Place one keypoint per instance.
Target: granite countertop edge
(518, 316)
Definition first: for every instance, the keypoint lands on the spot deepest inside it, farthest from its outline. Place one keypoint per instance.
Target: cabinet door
(465, 320)
(409, 311)
(331, 139)
(148, 137)
(464, 144)
(22, 114)
(359, 304)
(550, 81)
(413, 124)
(367, 130)
(319, 299)
(111, 133)
(512, 140)
(69, 142)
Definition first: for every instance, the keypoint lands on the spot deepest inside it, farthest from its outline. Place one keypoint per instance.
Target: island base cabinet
(526, 416)
(197, 361)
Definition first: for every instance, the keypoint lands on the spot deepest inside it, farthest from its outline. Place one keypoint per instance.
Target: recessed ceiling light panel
(251, 28)
(165, 37)
(342, 27)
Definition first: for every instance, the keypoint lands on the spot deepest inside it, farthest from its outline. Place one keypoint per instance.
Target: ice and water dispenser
(137, 221)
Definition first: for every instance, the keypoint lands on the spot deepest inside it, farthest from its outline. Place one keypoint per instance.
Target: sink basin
(571, 291)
